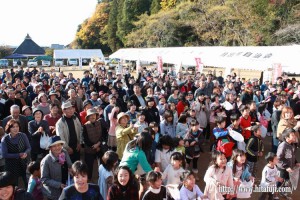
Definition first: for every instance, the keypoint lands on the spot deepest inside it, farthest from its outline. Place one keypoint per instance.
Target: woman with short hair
(15, 150)
(81, 189)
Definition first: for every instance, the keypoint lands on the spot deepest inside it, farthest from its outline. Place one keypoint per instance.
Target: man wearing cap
(69, 129)
(92, 136)
(94, 99)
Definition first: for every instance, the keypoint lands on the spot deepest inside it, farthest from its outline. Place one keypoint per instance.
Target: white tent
(250, 57)
(78, 53)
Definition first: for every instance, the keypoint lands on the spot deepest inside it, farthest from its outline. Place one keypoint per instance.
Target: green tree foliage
(91, 33)
(49, 52)
(155, 7)
(112, 40)
(161, 23)
(5, 51)
(129, 11)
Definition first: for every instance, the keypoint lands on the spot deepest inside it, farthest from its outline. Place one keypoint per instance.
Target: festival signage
(277, 71)
(199, 65)
(159, 65)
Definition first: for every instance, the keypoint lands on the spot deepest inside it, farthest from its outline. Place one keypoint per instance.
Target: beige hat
(66, 105)
(122, 114)
(40, 96)
(91, 112)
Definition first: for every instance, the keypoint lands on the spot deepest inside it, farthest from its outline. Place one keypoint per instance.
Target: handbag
(44, 141)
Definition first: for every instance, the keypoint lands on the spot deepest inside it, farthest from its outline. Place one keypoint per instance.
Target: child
(172, 107)
(141, 124)
(132, 112)
(239, 168)
(182, 126)
(235, 126)
(223, 140)
(162, 106)
(245, 122)
(110, 160)
(202, 109)
(124, 187)
(155, 137)
(254, 149)
(112, 140)
(191, 116)
(165, 148)
(156, 189)
(218, 175)
(188, 189)
(167, 126)
(179, 145)
(286, 154)
(193, 139)
(269, 176)
(174, 170)
(35, 184)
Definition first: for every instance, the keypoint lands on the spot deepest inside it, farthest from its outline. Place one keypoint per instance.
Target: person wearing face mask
(124, 187)
(81, 189)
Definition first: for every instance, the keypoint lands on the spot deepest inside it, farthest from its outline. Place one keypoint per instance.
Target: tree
(49, 52)
(91, 32)
(129, 12)
(5, 51)
(155, 7)
(112, 40)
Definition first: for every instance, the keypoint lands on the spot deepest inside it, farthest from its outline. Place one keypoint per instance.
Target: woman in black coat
(36, 128)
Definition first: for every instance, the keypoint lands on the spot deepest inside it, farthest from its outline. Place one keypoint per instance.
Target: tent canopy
(78, 53)
(16, 56)
(250, 57)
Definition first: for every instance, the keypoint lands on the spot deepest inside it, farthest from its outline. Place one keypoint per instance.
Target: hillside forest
(163, 23)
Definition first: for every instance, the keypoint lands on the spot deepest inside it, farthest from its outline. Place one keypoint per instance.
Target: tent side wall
(78, 53)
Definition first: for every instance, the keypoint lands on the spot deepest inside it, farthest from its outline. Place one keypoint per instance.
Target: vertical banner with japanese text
(199, 65)
(277, 71)
(159, 65)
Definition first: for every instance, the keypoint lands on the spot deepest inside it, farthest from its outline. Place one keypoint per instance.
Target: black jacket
(253, 147)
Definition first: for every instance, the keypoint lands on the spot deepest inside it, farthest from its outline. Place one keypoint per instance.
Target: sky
(46, 21)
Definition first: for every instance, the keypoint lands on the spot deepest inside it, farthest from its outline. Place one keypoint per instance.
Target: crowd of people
(146, 133)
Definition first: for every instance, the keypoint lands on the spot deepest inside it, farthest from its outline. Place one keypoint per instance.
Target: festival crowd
(145, 133)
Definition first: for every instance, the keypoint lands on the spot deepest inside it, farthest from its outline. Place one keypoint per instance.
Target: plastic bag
(245, 190)
(44, 141)
(241, 146)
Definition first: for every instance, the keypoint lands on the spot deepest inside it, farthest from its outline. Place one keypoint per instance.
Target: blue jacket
(245, 174)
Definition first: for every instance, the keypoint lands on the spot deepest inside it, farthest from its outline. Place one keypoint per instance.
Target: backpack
(225, 146)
